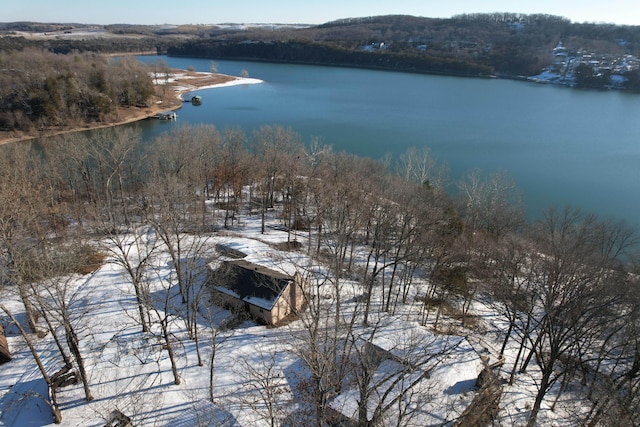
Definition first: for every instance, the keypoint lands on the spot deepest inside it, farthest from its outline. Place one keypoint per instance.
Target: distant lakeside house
(266, 295)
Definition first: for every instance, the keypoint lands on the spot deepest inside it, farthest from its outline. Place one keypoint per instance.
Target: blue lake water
(562, 146)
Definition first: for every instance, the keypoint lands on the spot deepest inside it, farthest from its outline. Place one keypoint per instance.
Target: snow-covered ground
(129, 371)
(182, 81)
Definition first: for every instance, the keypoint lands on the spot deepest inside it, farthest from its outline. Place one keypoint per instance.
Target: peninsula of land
(169, 91)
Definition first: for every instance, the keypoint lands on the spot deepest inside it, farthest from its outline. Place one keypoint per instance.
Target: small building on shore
(166, 115)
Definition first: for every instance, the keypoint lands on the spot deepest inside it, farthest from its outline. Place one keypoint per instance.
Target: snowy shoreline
(181, 87)
(237, 82)
(182, 84)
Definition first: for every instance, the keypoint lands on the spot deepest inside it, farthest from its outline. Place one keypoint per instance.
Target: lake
(562, 146)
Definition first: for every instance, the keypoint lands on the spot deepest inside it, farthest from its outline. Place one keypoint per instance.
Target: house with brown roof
(266, 295)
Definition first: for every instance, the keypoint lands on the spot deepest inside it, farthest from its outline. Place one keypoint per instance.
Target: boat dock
(166, 115)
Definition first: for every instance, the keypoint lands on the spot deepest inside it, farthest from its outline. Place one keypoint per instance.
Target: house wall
(226, 301)
(282, 308)
(261, 314)
(5, 354)
(301, 288)
(291, 300)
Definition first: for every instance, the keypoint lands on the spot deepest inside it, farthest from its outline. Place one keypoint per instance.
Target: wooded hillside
(562, 292)
(40, 90)
(504, 44)
(477, 44)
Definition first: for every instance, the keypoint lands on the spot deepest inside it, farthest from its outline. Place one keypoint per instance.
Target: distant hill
(475, 44)
(502, 44)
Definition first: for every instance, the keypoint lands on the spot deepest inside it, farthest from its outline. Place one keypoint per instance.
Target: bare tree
(161, 75)
(176, 210)
(320, 344)
(55, 408)
(23, 225)
(106, 172)
(615, 386)
(219, 321)
(173, 209)
(579, 259)
(168, 214)
(164, 318)
(217, 338)
(267, 393)
(134, 252)
(490, 204)
(418, 166)
(277, 150)
(511, 295)
(59, 296)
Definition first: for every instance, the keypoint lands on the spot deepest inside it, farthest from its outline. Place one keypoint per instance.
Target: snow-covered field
(129, 371)
(181, 81)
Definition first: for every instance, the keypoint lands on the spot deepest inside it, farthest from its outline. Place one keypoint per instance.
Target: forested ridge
(322, 53)
(563, 289)
(502, 44)
(476, 44)
(41, 91)
(54, 75)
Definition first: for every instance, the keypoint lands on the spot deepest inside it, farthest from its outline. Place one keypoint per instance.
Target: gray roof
(250, 282)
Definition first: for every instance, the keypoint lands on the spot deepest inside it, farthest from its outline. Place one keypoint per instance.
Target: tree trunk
(506, 338)
(29, 310)
(72, 341)
(196, 337)
(55, 409)
(515, 364)
(63, 353)
(369, 292)
(169, 346)
(321, 400)
(211, 371)
(542, 391)
(141, 305)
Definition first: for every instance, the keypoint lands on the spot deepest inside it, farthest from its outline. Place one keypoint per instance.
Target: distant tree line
(118, 43)
(330, 54)
(504, 44)
(43, 90)
(474, 44)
